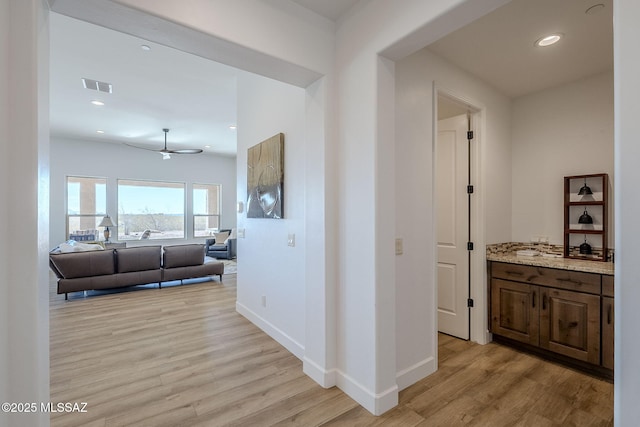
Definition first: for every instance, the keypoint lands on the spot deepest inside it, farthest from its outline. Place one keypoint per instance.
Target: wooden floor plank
(183, 356)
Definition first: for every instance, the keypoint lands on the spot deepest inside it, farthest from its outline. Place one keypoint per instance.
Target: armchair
(220, 249)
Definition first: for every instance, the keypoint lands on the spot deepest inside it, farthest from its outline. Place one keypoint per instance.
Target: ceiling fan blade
(186, 151)
(142, 148)
(165, 151)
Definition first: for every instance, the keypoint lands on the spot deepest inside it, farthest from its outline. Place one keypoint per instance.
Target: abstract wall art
(265, 178)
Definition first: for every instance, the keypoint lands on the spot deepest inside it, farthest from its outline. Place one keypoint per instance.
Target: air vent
(96, 85)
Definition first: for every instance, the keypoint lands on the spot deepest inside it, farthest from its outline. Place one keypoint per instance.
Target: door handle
(533, 300)
(544, 301)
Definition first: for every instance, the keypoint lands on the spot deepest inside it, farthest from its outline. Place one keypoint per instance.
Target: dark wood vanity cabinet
(515, 311)
(570, 324)
(561, 311)
(607, 322)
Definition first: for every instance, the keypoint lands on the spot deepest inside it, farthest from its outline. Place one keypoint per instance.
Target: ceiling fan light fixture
(548, 40)
(166, 153)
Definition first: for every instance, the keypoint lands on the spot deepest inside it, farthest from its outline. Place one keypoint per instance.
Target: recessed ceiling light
(99, 131)
(233, 127)
(548, 40)
(98, 103)
(145, 47)
(207, 146)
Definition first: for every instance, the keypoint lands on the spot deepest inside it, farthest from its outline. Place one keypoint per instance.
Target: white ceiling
(332, 9)
(196, 97)
(499, 47)
(161, 88)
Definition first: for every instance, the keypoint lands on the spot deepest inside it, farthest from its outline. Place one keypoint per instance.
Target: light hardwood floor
(182, 356)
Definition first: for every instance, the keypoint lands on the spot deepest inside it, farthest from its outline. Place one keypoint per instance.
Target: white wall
(4, 189)
(267, 266)
(416, 315)
(366, 341)
(562, 131)
(113, 161)
(24, 339)
(627, 205)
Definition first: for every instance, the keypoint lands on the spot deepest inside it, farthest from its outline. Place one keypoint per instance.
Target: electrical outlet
(291, 240)
(263, 301)
(240, 233)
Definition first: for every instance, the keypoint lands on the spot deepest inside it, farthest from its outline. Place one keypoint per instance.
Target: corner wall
(626, 411)
(416, 285)
(562, 131)
(267, 267)
(114, 161)
(5, 34)
(366, 341)
(24, 338)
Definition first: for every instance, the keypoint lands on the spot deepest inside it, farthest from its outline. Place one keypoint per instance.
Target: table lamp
(106, 223)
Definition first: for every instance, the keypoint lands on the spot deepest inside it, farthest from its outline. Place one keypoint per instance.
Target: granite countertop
(506, 252)
(597, 267)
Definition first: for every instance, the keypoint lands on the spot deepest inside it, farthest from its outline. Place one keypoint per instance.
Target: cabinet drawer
(563, 279)
(607, 286)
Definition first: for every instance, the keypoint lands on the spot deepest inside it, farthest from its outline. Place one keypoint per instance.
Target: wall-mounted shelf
(595, 206)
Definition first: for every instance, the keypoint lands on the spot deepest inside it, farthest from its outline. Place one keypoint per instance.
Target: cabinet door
(514, 310)
(570, 324)
(607, 332)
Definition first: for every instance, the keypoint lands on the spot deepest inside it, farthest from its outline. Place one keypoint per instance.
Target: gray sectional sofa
(116, 268)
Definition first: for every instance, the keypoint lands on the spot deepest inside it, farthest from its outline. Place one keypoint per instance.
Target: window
(206, 209)
(150, 210)
(86, 205)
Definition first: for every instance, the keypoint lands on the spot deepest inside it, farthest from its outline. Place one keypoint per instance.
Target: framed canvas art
(265, 178)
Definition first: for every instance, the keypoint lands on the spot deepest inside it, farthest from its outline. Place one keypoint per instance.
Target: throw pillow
(221, 237)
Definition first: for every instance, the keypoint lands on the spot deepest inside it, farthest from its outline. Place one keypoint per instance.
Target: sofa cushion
(83, 264)
(139, 258)
(215, 247)
(183, 255)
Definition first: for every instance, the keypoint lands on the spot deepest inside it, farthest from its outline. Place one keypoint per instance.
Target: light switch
(240, 233)
(399, 249)
(291, 240)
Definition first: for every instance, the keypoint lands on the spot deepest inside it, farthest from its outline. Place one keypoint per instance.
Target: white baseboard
(277, 334)
(377, 404)
(415, 373)
(320, 375)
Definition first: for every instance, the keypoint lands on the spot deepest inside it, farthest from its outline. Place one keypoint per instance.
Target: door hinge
(470, 135)
(469, 246)
(469, 302)
(469, 189)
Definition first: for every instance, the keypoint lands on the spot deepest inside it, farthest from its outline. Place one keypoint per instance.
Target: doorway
(454, 192)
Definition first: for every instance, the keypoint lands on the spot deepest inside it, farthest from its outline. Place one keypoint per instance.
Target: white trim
(415, 373)
(274, 332)
(317, 373)
(479, 327)
(376, 403)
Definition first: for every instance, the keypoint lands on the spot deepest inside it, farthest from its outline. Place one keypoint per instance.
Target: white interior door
(453, 226)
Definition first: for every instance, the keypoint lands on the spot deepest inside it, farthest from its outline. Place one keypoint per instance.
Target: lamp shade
(106, 222)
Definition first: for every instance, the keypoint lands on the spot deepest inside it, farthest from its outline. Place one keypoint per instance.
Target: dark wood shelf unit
(577, 231)
(594, 203)
(599, 182)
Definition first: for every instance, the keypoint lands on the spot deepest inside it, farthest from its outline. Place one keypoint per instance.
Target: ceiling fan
(166, 153)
